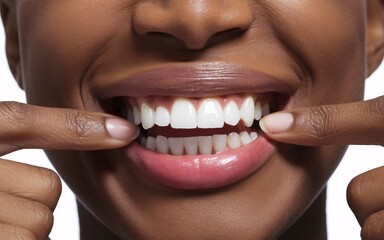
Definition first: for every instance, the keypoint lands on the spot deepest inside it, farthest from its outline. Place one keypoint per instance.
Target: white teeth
(136, 116)
(190, 145)
(258, 111)
(183, 115)
(219, 142)
(162, 144)
(162, 117)
(202, 145)
(210, 114)
(147, 116)
(176, 146)
(253, 135)
(233, 140)
(205, 144)
(231, 114)
(247, 111)
(245, 138)
(266, 110)
(151, 143)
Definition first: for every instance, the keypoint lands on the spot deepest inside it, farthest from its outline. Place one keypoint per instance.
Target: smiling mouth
(199, 123)
(196, 126)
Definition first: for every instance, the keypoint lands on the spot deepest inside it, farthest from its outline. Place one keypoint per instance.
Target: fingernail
(276, 123)
(121, 130)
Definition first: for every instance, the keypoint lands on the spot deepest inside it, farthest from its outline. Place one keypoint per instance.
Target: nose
(194, 22)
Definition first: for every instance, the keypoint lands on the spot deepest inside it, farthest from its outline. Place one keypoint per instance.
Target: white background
(341, 221)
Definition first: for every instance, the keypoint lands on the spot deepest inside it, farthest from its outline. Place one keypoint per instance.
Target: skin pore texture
(66, 54)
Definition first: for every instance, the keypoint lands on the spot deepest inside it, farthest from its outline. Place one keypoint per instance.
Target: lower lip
(201, 171)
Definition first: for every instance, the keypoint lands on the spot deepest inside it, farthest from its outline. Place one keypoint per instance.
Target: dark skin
(61, 51)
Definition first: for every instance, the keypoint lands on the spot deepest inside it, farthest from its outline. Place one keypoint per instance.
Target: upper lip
(196, 80)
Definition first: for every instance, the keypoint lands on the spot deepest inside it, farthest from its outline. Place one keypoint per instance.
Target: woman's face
(115, 55)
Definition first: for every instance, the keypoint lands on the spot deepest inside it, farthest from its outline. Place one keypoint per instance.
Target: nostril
(162, 36)
(193, 23)
(167, 39)
(162, 40)
(225, 35)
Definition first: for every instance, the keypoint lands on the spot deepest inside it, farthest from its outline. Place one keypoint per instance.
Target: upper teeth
(210, 113)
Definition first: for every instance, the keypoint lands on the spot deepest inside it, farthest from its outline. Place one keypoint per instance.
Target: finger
(8, 231)
(365, 194)
(373, 227)
(30, 182)
(27, 126)
(30, 215)
(351, 123)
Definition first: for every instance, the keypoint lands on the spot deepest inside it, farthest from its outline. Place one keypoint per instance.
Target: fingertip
(276, 123)
(122, 130)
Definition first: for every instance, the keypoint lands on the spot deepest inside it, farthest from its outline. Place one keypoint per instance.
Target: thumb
(341, 124)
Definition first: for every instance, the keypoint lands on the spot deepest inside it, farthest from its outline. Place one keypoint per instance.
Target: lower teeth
(202, 145)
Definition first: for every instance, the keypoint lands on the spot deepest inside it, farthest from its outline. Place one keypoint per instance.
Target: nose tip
(194, 22)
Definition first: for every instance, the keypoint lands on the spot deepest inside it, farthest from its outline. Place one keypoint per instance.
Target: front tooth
(183, 114)
(190, 145)
(219, 142)
(266, 110)
(245, 138)
(151, 143)
(231, 114)
(233, 140)
(162, 144)
(176, 146)
(210, 114)
(247, 111)
(205, 144)
(162, 117)
(253, 135)
(147, 116)
(136, 116)
(258, 111)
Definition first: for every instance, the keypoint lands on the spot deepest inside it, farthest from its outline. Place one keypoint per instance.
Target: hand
(29, 194)
(352, 123)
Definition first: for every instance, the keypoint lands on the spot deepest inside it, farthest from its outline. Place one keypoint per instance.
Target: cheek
(328, 38)
(60, 39)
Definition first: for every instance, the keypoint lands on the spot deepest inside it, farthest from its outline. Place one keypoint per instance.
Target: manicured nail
(276, 123)
(121, 130)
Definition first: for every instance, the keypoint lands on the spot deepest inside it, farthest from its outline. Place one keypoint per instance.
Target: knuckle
(378, 109)
(373, 227)
(81, 125)
(15, 112)
(51, 183)
(42, 217)
(319, 122)
(19, 233)
(355, 193)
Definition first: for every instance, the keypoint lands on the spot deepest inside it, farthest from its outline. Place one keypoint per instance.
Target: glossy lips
(202, 171)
